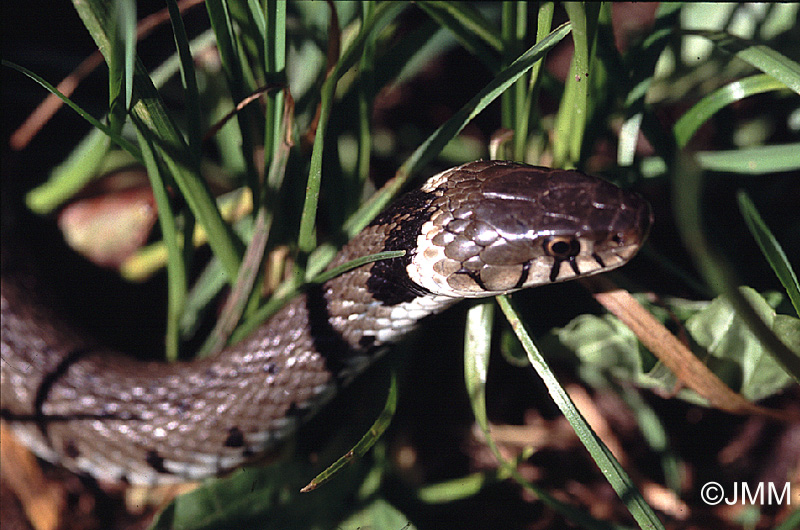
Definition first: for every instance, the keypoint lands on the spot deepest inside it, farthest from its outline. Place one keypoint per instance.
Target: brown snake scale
(476, 230)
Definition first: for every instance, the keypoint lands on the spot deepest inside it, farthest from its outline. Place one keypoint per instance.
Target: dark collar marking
(389, 281)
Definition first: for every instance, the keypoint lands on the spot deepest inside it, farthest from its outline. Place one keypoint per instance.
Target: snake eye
(562, 247)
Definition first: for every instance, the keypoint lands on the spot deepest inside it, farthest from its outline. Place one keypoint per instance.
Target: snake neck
(380, 297)
(120, 419)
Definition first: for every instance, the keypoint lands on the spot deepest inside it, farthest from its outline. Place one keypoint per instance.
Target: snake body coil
(475, 230)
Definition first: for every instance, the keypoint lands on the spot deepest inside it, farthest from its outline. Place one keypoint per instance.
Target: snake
(476, 230)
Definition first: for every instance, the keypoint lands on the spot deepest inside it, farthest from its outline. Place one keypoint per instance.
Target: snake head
(498, 227)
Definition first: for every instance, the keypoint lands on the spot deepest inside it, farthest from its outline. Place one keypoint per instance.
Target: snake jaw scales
(475, 230)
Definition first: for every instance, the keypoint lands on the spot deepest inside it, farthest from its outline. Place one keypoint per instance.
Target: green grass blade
(654, 432)
(243, 292)
(366, 442)
(365, 95)
(574, 110)
(208, 285)
(770, 248)
(611, 468)
(381, 16)
(71, 175)
(363, 260)
(544, 24)
(221, 23)
(470, 28)
(529, 94)
(115, 137)
(240, 86)
(275, 54)
(514, 29)
(189, 81)
(129, 23)
(477, 347)
(695, 117)
(450, 129)
(176, 270)
(758, 160)
(257, 14)
(120, 58)
(292, 289)
(461, 488)
(168, 142)
(766, 59)
(642, 63)
(791, 522)
(718, 273)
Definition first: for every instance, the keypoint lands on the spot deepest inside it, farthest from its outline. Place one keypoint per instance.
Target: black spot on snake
(328, 341)
(271, 368)
(235, 438)
(71, 450)
(367, 341)
(389, 281)
(50, 379)
(155, 461)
